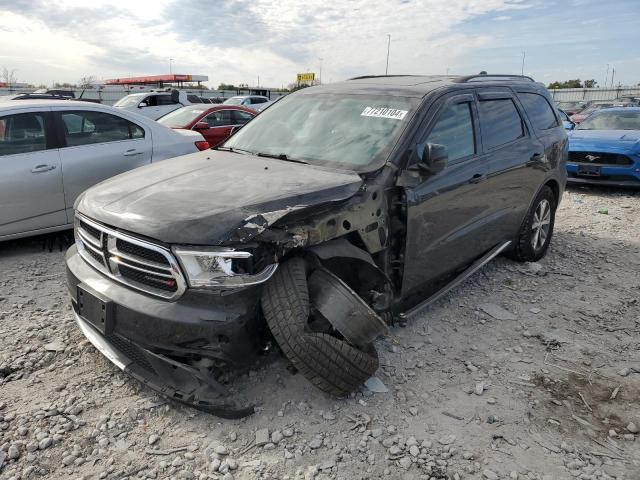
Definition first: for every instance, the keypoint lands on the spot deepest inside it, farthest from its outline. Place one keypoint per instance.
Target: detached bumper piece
(166, 376)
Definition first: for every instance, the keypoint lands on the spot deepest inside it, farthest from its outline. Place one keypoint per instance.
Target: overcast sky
(237, 41)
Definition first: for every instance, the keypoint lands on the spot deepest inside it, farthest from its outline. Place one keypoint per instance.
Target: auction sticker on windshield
(384, 112)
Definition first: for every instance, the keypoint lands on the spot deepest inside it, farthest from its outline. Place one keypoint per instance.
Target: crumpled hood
(616, 141)
(203, 197)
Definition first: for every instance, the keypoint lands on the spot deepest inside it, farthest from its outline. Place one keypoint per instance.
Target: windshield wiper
(233, 150)
(281, 156)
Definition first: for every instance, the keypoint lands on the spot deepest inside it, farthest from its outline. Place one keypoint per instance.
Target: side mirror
(201, 126)
(569, 125)
(142, 104)
(434, 158)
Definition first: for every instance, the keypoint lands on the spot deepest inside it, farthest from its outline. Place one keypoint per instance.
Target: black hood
(201, 198)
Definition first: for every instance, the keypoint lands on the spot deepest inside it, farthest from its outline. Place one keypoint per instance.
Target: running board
(473, 268)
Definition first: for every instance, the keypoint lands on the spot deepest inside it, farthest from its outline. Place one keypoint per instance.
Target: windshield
(341, 130)
(129, 101)
(181, 117)
(612, 120)
(234, 101)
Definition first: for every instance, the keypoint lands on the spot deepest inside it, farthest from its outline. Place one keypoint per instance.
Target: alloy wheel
(541, 224)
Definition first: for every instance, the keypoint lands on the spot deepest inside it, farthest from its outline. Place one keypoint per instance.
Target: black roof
(416, 85)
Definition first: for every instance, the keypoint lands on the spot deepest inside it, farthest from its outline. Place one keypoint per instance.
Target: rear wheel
(327, 361)
(535, 234)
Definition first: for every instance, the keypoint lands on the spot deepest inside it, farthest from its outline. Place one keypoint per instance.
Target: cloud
(237, 41)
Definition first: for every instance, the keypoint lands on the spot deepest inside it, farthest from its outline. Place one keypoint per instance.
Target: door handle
(42, 168)
(131, 153)
(477, 178)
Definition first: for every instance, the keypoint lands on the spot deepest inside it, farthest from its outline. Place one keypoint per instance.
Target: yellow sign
(306, 77)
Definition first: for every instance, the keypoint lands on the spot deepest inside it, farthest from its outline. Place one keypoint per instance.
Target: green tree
(226, 86)
(590, 83)
(566, 84)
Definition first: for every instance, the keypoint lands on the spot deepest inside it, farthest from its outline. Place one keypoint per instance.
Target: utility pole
(606, 77)
(386, 70)
(258, 81)
(613, 74)
(170, 60)
(522, 69)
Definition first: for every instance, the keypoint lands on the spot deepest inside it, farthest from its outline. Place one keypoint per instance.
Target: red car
(213, 122)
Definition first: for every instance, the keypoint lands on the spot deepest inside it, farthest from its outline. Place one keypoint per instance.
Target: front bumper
(628, 176)
(151, 337)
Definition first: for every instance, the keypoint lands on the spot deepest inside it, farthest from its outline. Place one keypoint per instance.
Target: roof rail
(489, 77)
(382, 76)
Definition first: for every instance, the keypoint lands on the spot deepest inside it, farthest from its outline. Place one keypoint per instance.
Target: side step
(473, 268)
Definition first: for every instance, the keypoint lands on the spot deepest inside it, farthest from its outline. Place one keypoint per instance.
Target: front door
(31, 195)
(98, 145)
(446, 212)
(220, 124)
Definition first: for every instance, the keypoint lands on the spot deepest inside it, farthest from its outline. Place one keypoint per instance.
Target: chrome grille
(599, 158)
(137, 263)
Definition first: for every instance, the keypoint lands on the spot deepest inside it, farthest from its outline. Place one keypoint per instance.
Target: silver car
(52, 150)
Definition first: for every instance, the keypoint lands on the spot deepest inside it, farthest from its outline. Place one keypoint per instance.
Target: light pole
(522, 69)
(606, 76)
(386, 70)
(170, 60)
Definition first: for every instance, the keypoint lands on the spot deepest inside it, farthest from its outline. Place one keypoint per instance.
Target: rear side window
(255, 100)
(240, 117)
(501, 122)
(165, 100)
(22, 133)
(86, 128)
(454, 130)
(539, 111)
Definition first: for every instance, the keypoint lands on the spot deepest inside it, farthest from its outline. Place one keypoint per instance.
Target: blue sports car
(605, 148)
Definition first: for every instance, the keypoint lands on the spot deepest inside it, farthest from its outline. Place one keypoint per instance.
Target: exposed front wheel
(328, 361)
(535, 234)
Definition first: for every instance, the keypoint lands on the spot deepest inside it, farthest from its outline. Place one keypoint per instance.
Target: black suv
(338, 211)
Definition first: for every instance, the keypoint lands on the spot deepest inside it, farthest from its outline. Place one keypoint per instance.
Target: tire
(329, 363)
(534, 237)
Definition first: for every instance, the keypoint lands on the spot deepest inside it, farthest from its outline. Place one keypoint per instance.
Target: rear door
(31, 192)
(447, 212)
(514, 159)
(97, 145)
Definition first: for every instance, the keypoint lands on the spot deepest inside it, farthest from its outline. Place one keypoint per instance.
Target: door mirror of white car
(142, 104)
(201, 126)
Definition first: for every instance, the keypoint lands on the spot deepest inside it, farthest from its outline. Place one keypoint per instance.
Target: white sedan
(53, 150)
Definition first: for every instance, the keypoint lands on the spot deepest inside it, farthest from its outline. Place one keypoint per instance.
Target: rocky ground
(524, 372)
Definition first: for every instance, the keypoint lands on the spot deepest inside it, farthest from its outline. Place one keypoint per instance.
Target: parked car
(255, 102)
(51, 151)
(215, 123)
(566, 121)
(337, 210)
(605, 148)
(599, 105)
(571, 108)
(154, 104)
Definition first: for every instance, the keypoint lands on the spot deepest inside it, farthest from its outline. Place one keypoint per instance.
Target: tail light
(202, 145)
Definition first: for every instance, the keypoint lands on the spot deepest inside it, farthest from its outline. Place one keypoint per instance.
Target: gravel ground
(528, 371)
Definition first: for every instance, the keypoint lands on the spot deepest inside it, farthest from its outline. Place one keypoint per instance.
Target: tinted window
(539, 111)
(501, 122)
(255, 100)
(220, 118)
(240, 117)
(22, 133)
(165, 100)
(85, 128)
(454, 129)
